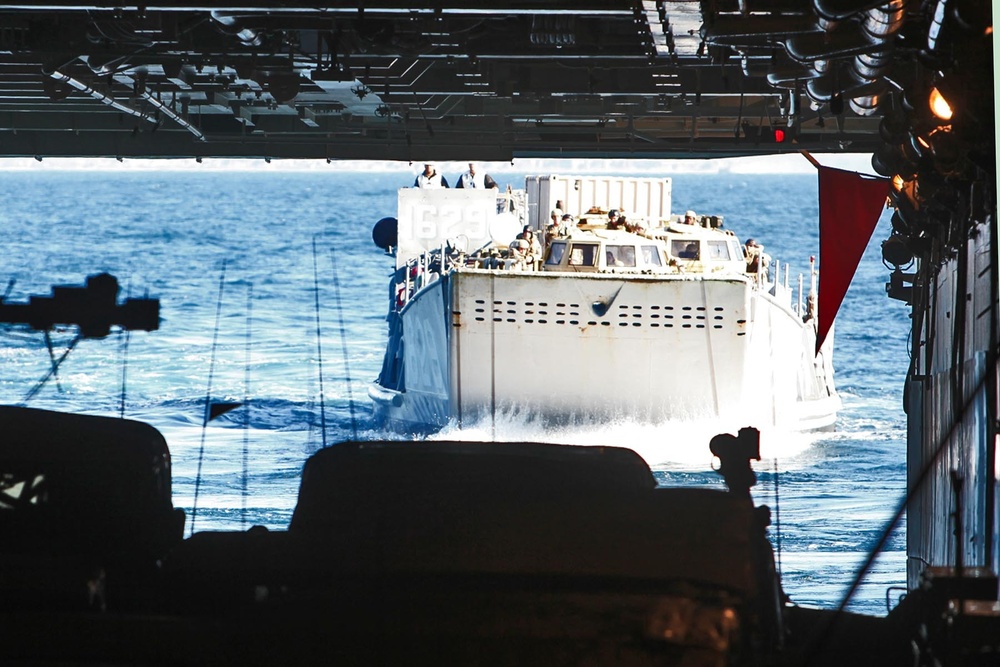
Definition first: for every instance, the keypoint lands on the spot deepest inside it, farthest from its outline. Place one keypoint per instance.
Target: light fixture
(939, 105)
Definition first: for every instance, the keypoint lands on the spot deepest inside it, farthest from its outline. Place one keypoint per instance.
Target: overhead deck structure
(447, 79)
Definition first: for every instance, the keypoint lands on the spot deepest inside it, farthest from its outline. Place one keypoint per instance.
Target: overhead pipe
(936, 24)
(231, 25)
(98, 95)
(870, 45)
(843, 41)
(750, 31)
(840, 80)
(880, 24)
(838, 10)
(171, 114)
(788, 74)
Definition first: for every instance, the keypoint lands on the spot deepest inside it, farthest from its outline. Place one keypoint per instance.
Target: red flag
(849, 209)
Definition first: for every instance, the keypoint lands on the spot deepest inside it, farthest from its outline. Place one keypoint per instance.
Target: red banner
(849, 208)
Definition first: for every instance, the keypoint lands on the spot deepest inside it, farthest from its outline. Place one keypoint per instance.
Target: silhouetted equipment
(735, 454)
(489, 554)
(94, 309)
(85, 510)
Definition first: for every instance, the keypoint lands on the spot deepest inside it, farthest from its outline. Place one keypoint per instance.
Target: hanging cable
(343, 343)
(246, 407)
(493, 361)
(319, 349)
(777, 517)
(52, 360)
(208, 396)
(126, 336)
(56, 363)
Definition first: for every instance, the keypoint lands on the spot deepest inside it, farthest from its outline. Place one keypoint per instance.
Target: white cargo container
(640, 198)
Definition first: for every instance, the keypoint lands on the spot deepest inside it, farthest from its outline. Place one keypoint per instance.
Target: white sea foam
(673, 445)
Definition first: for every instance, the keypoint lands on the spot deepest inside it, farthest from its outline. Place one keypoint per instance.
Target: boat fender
(385, 233)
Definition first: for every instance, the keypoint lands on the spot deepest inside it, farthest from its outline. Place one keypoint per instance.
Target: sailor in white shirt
(430, 178)
(475, 179)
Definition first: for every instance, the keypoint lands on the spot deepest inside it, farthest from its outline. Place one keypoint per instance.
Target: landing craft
(656, 318)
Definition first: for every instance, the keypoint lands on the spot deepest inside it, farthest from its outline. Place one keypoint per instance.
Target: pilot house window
(556, 253)
(583, 254)
(718, 251)
(651, 255)
(620, 255)
(685, 249)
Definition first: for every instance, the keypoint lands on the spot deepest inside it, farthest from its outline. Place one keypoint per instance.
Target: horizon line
(788, 163)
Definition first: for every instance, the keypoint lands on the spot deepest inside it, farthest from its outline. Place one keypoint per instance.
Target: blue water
(168, 233)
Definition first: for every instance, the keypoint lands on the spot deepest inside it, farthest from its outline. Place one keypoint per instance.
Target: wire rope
(319, 347)
(343, 343)
(208, 396)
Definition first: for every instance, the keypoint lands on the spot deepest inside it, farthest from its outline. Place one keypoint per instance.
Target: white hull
(667, 347)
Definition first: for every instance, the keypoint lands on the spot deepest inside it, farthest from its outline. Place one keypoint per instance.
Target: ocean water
(240, 259)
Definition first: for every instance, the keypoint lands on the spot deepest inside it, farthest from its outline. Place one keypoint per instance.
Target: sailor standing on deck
(430, 178)
(758, 261)
(525, 250)
(476, 179)
(615, 220)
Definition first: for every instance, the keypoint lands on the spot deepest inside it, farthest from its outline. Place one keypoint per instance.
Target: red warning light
(779, 135)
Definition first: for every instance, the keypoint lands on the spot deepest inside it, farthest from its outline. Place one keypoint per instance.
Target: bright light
(939, 105)
(779, 135)
(897, 182)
